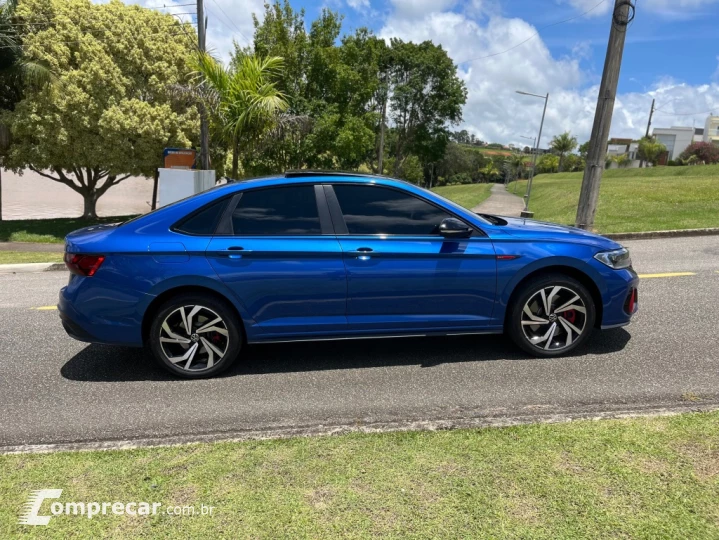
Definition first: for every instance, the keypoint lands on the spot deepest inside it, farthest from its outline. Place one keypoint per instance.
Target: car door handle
(235, 252)
(362, 253)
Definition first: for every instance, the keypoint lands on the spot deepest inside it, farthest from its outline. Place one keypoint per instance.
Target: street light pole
(526, 213)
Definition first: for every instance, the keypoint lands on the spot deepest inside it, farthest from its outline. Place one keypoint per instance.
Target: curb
(31, 267)
(649, 235)
(594, 413)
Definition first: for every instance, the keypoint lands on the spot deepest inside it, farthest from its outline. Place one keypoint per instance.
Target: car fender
(213, 284)
(515, 276)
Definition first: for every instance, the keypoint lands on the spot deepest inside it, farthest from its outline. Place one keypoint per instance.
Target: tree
(584, 149)
(515, 166)
(426, 94)
(244, 100)
(705, 152)
(563, 144)
(490, 172)
(282, 34)
(548, 163)
(17, 70)
(622, 160)
(573, 162)
(112, 113)
(650, 150)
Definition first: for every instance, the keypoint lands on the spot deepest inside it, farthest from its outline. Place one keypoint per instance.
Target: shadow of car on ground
(102, 363)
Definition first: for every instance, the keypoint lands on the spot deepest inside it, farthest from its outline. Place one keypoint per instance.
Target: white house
(675, 138)
(711, 130)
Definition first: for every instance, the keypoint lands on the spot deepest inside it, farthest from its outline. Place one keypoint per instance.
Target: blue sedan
(323, 256)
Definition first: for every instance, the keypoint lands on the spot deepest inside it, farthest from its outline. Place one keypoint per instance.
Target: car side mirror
(454, 228)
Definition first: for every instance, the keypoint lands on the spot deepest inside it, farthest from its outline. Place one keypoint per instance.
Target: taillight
(83, 265)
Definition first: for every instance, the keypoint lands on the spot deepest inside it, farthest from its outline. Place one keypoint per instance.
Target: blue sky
(671, 54)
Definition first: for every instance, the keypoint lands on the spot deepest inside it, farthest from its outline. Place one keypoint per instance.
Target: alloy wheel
(553, 318)
(194, 338)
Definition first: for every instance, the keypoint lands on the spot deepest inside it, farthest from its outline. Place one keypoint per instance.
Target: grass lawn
(634, 200)
(15, 257)
(467, 195)
(632, 478)
(47, 230)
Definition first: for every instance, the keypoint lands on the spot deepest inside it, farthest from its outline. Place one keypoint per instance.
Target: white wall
(176, 184)
(676, 139)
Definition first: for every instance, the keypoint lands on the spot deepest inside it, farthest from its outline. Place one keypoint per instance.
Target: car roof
(305, 176)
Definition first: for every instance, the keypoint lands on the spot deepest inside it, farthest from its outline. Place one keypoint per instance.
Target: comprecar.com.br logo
(31, 514)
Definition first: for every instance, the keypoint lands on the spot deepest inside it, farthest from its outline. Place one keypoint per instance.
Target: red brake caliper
(570, 315)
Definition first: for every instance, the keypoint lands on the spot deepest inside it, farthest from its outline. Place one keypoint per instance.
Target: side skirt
(488, 331)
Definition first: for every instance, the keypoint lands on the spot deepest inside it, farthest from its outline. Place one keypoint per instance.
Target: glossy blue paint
(294, 287)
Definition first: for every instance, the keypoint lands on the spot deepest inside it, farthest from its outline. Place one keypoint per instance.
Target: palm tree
(16, 72)
(515, 164)
(243, 100)
(490, 172)
(563, 144)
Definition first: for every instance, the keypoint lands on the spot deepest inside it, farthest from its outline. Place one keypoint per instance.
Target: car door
(282, 260)
(402, 275)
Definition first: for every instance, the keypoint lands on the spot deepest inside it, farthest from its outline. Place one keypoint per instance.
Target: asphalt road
(57, 390)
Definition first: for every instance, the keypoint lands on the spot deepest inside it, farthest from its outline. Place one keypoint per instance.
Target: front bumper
(619, 287)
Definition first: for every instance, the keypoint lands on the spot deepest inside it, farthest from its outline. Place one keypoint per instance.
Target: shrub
(704, 152)
(460, 178)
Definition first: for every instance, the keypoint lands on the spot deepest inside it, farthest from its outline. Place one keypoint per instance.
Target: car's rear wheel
(551, 315)
(195, 336)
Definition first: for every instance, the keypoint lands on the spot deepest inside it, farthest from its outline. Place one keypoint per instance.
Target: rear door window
(281, 211)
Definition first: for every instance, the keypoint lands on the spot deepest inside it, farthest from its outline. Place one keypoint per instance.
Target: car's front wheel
(551, 315)
(195, 336)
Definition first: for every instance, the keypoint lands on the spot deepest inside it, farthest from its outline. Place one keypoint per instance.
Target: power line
(667, 113)
(532, 36)
(231, 21)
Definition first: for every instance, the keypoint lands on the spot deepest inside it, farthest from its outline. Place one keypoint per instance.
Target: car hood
(530, 229)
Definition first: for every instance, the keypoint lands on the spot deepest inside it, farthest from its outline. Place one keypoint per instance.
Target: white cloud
(417, 8)
(227, 20)
(495, 112)
(359, 5)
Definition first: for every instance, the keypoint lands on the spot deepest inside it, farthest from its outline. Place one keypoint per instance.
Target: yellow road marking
(667, 274)
(45, 308)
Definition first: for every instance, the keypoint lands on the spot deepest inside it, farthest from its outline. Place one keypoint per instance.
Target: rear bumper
(88, 313)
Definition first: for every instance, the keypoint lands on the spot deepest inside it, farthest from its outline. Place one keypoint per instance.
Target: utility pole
(649, 123)
(380, 155)
(204, 130)
(622, 15)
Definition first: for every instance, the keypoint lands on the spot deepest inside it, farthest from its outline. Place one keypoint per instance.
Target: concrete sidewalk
(32, 246)
(501, 202)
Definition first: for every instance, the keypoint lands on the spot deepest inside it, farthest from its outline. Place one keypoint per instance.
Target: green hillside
(634, 200)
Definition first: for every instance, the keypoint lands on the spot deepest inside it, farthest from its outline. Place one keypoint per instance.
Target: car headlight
(617, 258)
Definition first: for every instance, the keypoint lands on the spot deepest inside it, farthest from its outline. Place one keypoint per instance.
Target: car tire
(210, 345)
(566, 325)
